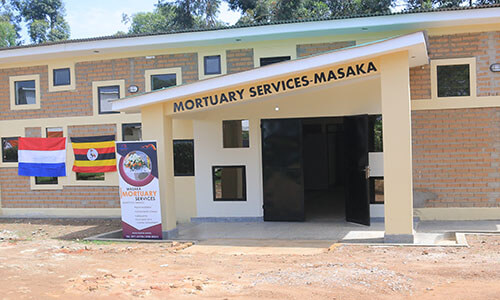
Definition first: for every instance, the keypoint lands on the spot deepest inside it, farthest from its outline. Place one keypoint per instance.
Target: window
(453, 80)
(106, 94)
(264, 61)
(61, 76)
(212, 65)
(229, 183)
(54, 132)
(183, 158)
(131, 132)
(235, 134)
(90, 176)
(9, 149)
(25, 92)
(160, 81)
(46, 180)
(377, 190)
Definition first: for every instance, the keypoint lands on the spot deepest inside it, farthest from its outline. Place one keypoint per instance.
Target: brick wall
(482, 45)
(239, 60)
(79, 101)
(16, 193)
(309, 49)
(33, 132)
(91, 130)
(456, 158)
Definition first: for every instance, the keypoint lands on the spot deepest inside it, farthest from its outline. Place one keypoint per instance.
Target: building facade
(429, 79)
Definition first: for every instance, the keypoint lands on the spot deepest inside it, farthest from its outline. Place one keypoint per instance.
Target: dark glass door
(283, 180)
(357, 189)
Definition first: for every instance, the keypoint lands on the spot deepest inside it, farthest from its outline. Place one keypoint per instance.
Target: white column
(396, 119)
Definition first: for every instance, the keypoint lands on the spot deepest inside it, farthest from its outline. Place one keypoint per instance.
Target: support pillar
(397, 142)
(157, 126)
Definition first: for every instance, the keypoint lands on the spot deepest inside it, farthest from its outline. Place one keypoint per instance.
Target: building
(275, 122)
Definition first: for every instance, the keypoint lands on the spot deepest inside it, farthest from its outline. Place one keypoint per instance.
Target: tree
(426, 4)
(277, 10)
(9, 25)
(45, 19)
(179, 15)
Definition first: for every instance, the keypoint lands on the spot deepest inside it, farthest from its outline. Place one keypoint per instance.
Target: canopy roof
(414, 43)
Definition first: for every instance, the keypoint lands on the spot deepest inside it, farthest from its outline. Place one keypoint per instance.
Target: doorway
(314, 169)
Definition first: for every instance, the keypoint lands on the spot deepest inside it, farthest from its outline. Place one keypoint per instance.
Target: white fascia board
(415, 21)
(415, 44)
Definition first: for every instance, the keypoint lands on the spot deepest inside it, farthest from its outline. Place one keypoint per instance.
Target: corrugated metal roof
(112, 37)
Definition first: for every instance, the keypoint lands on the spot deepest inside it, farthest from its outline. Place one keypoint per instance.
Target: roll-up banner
(137, 164)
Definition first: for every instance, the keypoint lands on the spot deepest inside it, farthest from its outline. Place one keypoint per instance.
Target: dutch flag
(42, 157)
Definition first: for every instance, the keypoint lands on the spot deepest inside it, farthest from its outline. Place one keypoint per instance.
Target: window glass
(453, 80)
(131, 132)
(264, 61)
(161, 81)
(54, 132)
(90, 176)
(229, 183)
(25, 92)
(212, 65)
(184, 158)
(62, 77)
(106, 95)
(236, 134)
(377, 190)
(46, 180)
(9, 149)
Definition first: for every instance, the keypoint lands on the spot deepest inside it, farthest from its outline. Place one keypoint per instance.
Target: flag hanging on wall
(94, 154)
(42, 156)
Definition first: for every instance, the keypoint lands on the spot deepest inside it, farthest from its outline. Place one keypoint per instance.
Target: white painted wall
(361, 97)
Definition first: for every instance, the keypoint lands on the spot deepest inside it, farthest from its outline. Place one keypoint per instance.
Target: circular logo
(92, 154)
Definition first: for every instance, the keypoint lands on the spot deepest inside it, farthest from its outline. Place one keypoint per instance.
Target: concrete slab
(260, 247)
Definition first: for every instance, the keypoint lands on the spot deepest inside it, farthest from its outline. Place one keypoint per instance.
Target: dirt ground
(46, 259)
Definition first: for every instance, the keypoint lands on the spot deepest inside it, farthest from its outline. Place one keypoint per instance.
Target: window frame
(173, 152)
(205, 65)
(72, 79)
(148, 73)
(283, 50)
(95, 94)
(54, 77)
(244, 199)
(12, 85)
(271, 57)
(471, 61)
(99, 99)
(201, 63)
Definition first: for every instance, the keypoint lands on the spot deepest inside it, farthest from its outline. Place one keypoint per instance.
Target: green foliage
(180, 15)
(8, 34)
(427, 4)
(45, 19)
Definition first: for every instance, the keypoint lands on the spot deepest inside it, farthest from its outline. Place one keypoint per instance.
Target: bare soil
(46, 259)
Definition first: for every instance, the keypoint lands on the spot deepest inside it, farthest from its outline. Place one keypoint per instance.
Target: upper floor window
(106, 95)
(212, 65)
(161, 81)
(264, 61)
(157, 79)
(25, 92)
(62, 76)
(453, 80)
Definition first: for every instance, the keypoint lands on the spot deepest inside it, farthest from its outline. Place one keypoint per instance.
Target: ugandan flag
(94, 154)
